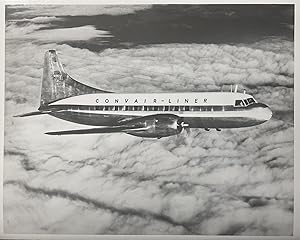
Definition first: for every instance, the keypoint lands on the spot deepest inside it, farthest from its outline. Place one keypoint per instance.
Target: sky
(233, 182)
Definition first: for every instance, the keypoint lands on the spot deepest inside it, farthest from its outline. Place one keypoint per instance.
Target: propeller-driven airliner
(150, 115)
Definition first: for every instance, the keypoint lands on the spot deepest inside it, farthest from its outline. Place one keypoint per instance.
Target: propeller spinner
(181, 125)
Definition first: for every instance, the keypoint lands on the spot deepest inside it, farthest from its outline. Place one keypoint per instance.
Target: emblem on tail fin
(57, 84)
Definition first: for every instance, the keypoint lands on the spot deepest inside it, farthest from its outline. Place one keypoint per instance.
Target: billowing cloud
(29, 32)
(76, 10)
(43, 19)
(237, 181)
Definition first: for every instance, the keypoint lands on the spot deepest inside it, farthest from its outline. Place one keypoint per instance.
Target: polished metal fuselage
(227, 117)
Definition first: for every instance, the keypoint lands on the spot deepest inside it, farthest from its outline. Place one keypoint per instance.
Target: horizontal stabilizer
(31, 114)
(98, 130)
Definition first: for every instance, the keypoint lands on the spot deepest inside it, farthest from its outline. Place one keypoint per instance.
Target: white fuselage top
(155, 99)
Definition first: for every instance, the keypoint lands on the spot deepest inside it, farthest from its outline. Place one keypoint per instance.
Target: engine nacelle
(158, 126)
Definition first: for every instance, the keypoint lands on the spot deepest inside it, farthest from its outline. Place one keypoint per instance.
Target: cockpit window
(251, 100)
(239, 103)
(244, 102)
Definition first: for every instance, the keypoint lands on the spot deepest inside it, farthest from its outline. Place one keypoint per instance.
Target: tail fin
(57, 84)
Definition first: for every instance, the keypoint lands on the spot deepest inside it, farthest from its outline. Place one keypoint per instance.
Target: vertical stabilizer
(57, 84)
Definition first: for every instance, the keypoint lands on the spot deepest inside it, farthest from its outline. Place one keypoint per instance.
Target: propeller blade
(188, 130)
(181, 125)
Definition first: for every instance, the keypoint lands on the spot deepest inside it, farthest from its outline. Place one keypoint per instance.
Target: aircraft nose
(267, 113)
(264, 113)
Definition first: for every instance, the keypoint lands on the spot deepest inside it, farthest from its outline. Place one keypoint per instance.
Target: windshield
(239, 103)
(244, 102)
(251, 100)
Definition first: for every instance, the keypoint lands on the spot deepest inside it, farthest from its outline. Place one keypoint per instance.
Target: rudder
(57, 84)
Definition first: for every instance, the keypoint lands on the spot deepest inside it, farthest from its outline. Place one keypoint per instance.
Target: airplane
(148, 115)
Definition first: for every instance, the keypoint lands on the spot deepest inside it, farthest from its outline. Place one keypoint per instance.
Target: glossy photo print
(149, 119)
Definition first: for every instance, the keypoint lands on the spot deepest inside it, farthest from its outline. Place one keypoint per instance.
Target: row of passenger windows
(153, 108)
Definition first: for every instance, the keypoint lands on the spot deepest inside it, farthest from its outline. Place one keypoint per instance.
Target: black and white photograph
(149, 119)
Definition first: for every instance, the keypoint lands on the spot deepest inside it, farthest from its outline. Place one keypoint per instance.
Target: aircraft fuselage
(198, 110)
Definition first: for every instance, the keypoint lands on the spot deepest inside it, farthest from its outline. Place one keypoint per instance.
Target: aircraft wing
(150, 126)
(115, 129)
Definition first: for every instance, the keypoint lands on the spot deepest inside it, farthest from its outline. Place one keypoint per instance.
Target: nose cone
(263, 113)
(267, 113)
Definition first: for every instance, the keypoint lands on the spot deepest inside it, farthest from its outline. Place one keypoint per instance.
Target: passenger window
(217, 108)
(186, 108)
(246, 102)
(239, 103)
(176, 108)
(166, 108)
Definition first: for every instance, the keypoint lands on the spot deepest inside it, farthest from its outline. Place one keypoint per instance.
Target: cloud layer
(44, 19)
(33, 32)
(237, 181)
(76, 10)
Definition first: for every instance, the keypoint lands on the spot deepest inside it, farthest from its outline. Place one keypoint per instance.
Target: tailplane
(32, 114)
(57, 84)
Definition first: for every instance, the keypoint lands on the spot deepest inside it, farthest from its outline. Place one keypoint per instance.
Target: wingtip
(23, 115)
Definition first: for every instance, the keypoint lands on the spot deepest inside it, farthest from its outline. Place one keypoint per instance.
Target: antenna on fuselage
(236, 88)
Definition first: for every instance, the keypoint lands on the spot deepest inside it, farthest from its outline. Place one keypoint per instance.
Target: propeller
(181, 125)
